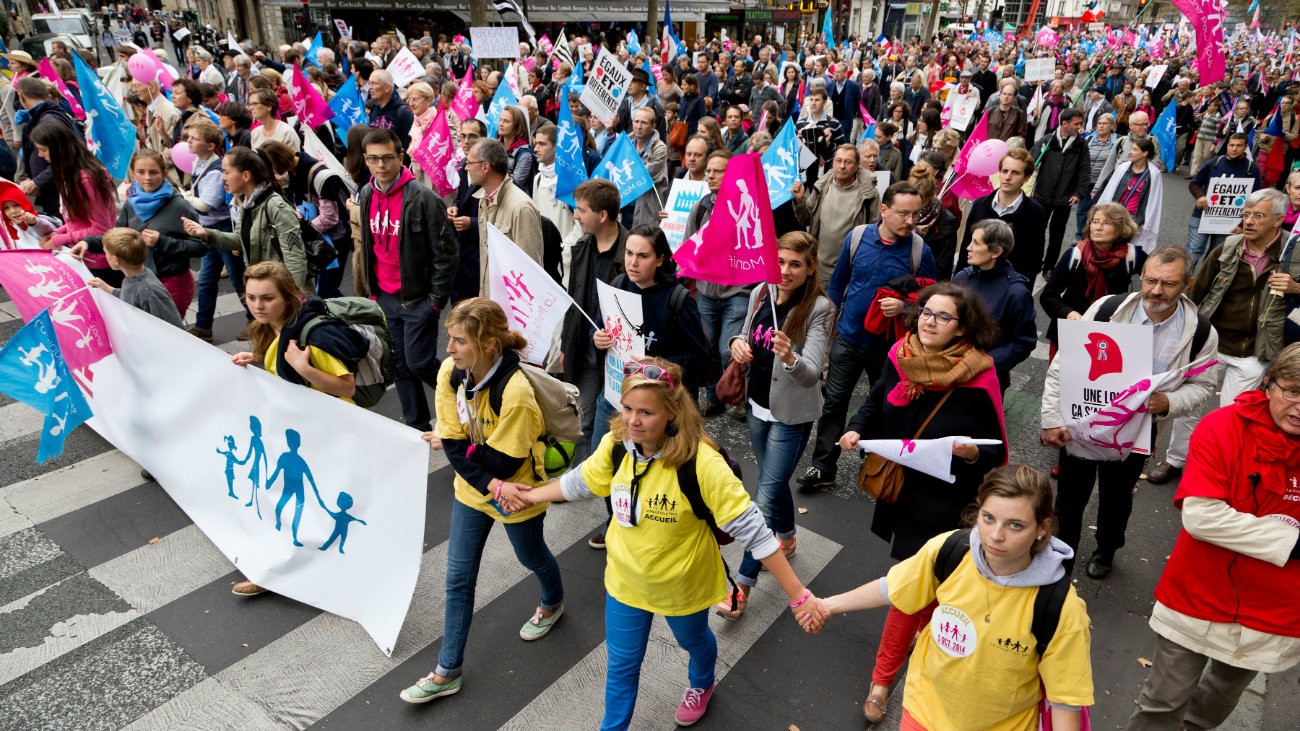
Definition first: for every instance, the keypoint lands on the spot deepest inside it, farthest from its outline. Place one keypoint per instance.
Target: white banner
(606, 84)
(1040, 69)
(534, 303)
(961, 108)
(681, 198)
(621, 317)
(882, 180)
(1155, 74)
(405, 68)
(1099, 361)
(494, 42)
(930, 456)
(312, 145)
(1227, 199)
(258, 462)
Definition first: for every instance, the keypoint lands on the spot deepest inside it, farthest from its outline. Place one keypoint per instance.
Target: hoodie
(385, 226)
(1006, 295)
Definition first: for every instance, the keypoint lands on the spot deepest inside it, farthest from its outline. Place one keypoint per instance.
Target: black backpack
(1048, 601)
(689, 483)
(552, 249)
(1112, 302)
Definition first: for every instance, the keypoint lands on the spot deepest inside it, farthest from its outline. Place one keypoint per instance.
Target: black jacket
(575, 339)
(1028, 222)
(394, 115)
(1065, 291)
(1061, 174)
(427, 245)
(1007, 296)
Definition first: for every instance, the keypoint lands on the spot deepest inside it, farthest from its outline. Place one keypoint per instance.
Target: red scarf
(1096, 263)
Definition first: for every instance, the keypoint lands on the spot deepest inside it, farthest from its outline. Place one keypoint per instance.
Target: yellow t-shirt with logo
(669, 562)
(319, 359)
(513, 432)
(971, 675)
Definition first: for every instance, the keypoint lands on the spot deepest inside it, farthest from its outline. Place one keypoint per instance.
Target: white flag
(312, 145)
(534, 303)
(930, 456)
(231, 42)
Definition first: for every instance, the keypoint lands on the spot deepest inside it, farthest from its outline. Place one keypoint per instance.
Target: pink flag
(867, 119)
(37, 280)
(970, 186)
(1129, 38)
(738, 243)
(47, 72)
(529, 63)
(308, 104)
(464, 104)
(434, 153)
(545, 44)
(1206, 17)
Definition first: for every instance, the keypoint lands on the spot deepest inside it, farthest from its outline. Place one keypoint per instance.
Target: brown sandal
(879, 698)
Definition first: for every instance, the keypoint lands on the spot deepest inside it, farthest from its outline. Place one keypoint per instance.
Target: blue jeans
(627, 631)
(777, 449)
(604, 412)
(1081, 215)
(722, 320)
(1198, 243)
(413, 326)
(210, 276)
(469, 533)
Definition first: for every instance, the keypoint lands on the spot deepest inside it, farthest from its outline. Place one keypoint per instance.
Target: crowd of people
(934, 298)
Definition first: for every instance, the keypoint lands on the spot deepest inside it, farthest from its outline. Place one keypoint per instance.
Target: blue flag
(677, 47)
(576, 79)
(828, 35)
(570, 166)
(504, 97)
(1254, 5)
(1165, 134)
(312, 54)
(32, 371)
(623, 167)
(781, 164)
(993, 38)
(4, 63)
(1274, 127)
(109, 134)
(650, 72)
(633, 44)
(349, 108)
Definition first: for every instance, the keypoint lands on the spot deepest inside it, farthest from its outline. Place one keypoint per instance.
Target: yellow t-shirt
(514, 432)
(971, 675)
(319, 359)
(669, 562)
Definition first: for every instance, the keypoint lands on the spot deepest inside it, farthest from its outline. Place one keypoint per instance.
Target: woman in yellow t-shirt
(663, 558)
(488, 424)
(978, 668)
(275, 301)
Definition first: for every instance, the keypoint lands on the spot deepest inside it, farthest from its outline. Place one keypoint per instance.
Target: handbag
(881, 478)
(677, 134)
(731, 387)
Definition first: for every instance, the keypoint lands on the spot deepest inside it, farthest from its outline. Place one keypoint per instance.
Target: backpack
(319, 251)
(1048, 601)
(552, 250)
(561, 407)
(317, 177)
(689, 483)
(375, 370)
(860, 232)
(1112, 302)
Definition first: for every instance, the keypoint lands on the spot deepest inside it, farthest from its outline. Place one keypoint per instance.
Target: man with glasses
(835, 204)
(883, 252)
(1244, 289)
(1180, 336)
(1229, 595)
(502, 204)
(1139, 128)
(410, 262)
(463, 214)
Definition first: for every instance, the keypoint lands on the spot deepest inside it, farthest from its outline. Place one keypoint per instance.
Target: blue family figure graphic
(295, 469)
(231, 461)
(341, 520)
(256, 453)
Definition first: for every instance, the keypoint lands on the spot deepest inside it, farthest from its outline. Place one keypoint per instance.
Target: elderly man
(835, 204)
(1180, 336)
(1243, 288)
(1229, 595)
(1096, 107)
(654, 153)
(846, 98)
(386, 108)
(502, 204)
(1139, 125)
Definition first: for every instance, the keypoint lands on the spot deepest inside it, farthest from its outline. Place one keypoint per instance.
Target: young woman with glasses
(939, 382)
(663, 558)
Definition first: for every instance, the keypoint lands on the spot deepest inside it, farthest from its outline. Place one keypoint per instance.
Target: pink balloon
(182, 158)
(986, 157)
(143, 68)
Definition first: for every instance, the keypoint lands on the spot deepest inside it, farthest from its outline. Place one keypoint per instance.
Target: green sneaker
(538, 626)
(426, 689)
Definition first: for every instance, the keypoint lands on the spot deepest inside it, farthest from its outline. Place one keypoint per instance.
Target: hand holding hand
(850, 440)
(150, 237)
(811, 615)
(741, 352)
(601, 340)
(243, 359)
(297, 356)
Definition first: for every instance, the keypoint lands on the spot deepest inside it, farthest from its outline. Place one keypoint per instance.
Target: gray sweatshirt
(146, 292)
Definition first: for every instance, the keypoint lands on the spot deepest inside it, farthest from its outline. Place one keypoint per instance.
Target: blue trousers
(469, 534)
(627, 632)
(1198, 243)
(777, 449)
(722, 320)
(210, 276)
(413, 326)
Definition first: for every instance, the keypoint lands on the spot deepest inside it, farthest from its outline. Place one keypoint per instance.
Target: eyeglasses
(650, 371)
(943, 318)
(905, 215)
(714, 172)
(381, 159)
(1164, 283)
(1291, 395)
(474, 162)
(1256, 215)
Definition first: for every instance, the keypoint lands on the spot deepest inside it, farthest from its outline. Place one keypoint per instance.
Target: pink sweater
(103, 214)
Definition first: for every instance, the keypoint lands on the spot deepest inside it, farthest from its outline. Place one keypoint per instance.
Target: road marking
(64, 490)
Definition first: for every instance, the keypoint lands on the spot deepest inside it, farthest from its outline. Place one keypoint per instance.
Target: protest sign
(681, 198)
(344, 31)
(405, 68)
(1040, 69)
(1227, 199)
(621, 318)
(606, 85)
(1099, 361)
(493, 42)
(1155, 74)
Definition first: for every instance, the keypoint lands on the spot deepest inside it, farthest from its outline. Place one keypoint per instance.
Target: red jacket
(1239, 456)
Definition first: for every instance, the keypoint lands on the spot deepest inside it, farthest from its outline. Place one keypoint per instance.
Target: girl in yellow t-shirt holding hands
(978, 666)
(663, 557)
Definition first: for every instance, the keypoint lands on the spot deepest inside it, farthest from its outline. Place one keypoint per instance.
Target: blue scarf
(145, 204)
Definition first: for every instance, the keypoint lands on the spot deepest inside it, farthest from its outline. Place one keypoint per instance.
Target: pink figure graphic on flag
(738, 248)
(435, 152)
(909, 445)
(47, 72)
(517, 287)
(37, 280)
(464, 104)
(307, 101)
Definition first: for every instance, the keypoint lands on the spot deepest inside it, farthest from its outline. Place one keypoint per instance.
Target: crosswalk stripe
(71, 488)
(663, 672)
(18, 420)
(227, 304)
(8, 312)
(341, 657)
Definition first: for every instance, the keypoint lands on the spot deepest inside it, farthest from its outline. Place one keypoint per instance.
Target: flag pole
(771, 300)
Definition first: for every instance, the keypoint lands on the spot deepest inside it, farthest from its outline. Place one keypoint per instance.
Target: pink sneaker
(695, 701)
